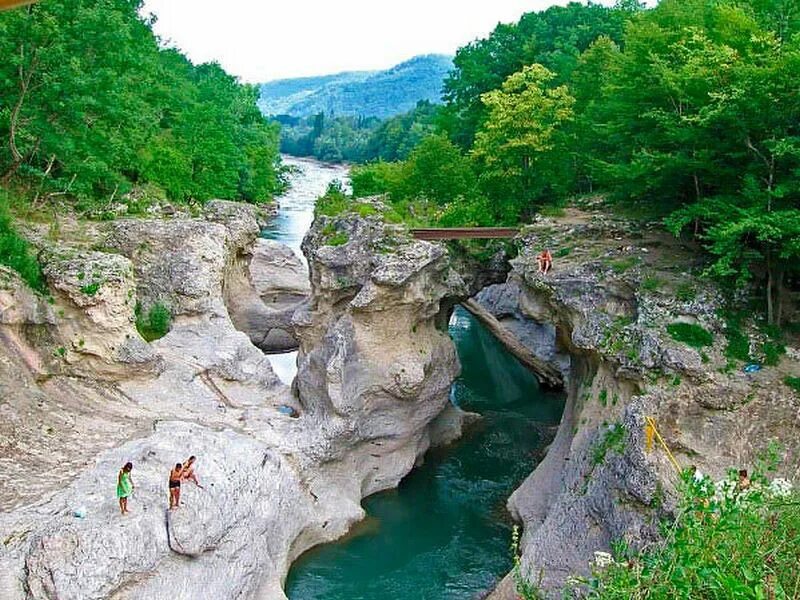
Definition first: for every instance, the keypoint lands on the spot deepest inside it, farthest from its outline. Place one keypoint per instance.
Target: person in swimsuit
(175, 486)
(188, 472)
(124, 487)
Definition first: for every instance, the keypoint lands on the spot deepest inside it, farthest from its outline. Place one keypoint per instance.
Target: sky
(262, 40)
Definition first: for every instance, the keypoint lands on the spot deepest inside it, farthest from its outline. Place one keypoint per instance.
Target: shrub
(738, 347)
(725, 543)
(690, 334)
(155, 323)
(773, 351)
(334, 202)
(16, 253)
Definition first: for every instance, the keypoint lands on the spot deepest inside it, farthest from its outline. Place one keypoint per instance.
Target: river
(444, 533)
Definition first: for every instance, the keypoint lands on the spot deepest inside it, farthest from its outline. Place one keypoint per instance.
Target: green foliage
(726, 542)
(91, 289)
(563, 252)
(690, 334)
(516, 149)
(624, 264)
(340, 238)
(16, 252)
(738, 346)
(357, 139)
(554, 38)
(93, 106)
(793, 382)
(686, 292)
(652, 283)
(155, 323)
(612, 440)
(334, 202)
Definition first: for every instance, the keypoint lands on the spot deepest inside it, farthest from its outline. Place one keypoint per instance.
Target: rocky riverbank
(83, 393)
(614, 291)
(285, 469)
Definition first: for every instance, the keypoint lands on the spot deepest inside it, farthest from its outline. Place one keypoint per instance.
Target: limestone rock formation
(375, 373)
(272, 284)
(598, 483)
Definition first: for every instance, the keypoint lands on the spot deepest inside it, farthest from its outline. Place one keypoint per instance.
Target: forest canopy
(686, 112)
(91, 105)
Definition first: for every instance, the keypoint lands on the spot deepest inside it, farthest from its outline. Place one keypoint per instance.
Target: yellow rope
(651, 431)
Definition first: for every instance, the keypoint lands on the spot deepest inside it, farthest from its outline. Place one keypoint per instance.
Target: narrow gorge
(286, 464)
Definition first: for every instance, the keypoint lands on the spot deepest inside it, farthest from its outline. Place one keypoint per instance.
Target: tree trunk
(770, 283)
(779, 295)
(14, 118)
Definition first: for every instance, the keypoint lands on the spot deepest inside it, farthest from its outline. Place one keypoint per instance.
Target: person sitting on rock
(545, 260)
(744, 480)
(124, 487)
(175, 486)
(188, 472)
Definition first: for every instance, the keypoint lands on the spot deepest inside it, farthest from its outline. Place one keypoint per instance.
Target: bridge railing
(464, 233)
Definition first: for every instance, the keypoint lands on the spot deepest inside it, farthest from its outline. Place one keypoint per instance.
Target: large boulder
(264, 292)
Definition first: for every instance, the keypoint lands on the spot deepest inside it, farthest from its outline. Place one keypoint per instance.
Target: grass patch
(563, 252)
(155, 323)
(613, 440)
(793, 382)
(690, 334)
(340, 238)
(652, 283)
(16, 252)
(624, 264)
(91, 289)
(686, 293)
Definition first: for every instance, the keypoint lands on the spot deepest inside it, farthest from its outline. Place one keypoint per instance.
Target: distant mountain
(359, 93)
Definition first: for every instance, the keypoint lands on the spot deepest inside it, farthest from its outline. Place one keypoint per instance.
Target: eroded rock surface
(598, 483)
(375, 373)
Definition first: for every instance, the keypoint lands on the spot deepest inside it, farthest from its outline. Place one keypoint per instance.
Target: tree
(439, 172)
(516, 147)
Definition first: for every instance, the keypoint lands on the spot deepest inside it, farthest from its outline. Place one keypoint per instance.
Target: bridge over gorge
(465, 233)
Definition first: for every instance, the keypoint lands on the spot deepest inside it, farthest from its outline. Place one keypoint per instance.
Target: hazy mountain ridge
(366, 93)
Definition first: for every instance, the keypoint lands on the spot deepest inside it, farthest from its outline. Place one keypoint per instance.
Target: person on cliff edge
(124, 487)
(175, 486)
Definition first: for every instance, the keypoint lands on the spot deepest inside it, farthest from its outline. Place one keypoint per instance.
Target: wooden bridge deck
(465, 233)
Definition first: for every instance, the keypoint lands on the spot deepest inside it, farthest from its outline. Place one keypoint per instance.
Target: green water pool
(445, 533)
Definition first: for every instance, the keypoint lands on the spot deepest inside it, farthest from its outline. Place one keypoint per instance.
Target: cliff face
(612, 293)
(83, 394)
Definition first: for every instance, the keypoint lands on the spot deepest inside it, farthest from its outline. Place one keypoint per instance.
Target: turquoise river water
(444, 534)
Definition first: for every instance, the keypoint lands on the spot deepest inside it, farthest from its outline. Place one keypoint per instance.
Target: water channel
(444, 533)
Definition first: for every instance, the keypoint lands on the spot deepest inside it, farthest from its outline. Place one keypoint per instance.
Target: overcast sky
(260, 40)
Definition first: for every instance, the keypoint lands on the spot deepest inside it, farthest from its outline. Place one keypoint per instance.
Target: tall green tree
(518, 148)
(90, 106)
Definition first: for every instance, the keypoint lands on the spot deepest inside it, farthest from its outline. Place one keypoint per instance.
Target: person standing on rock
(188, 472)
(124, 487)
(175, 486)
